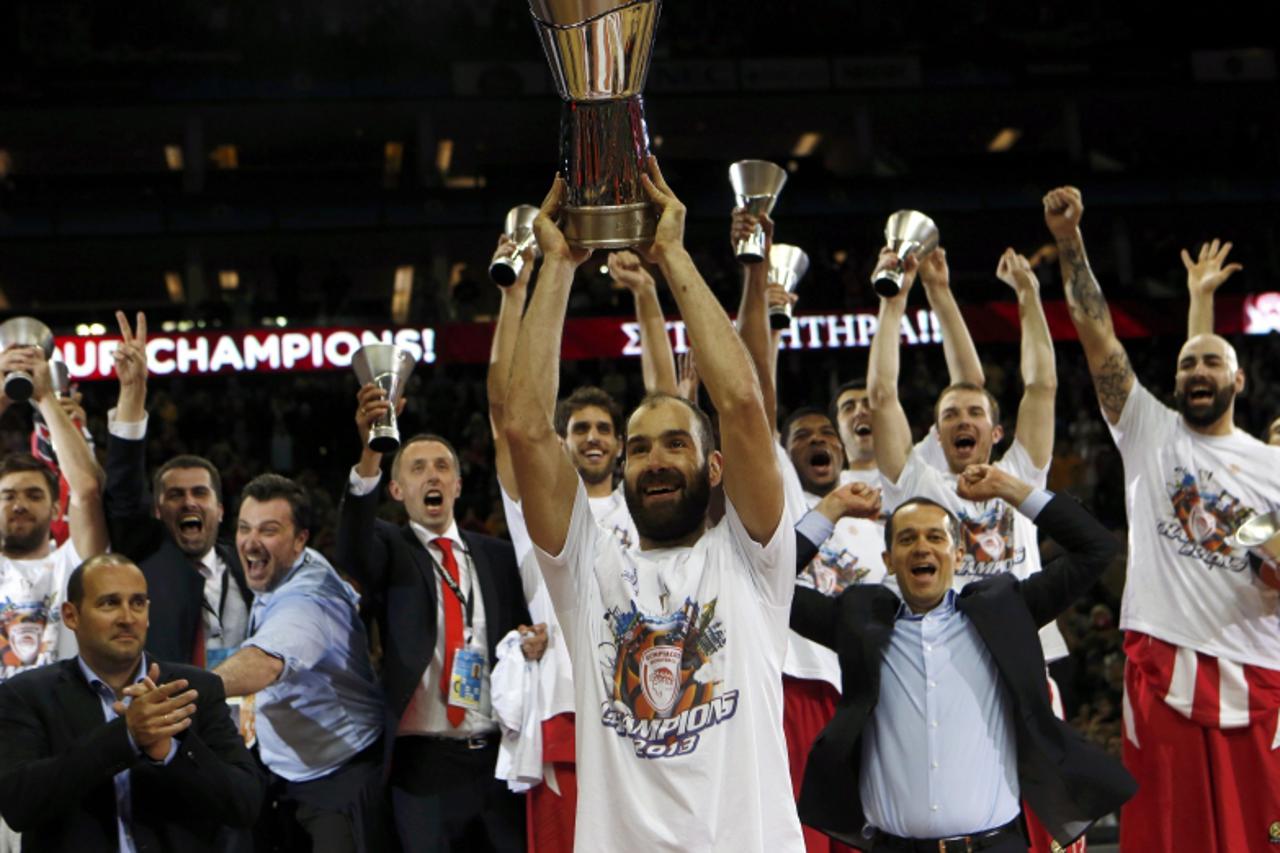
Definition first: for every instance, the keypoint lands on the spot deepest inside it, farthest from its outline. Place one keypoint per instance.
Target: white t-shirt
(31, 596)
(611, 514)
(997, 538)
(677, 656)
(1185, 493)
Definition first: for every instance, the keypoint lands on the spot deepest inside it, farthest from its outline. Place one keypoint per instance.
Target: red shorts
(1200, 788)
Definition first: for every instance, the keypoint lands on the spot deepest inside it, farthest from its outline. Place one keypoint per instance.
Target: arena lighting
(806, 144)
(444, 155)
(1005, 139)
(229, 279)
(226, 157)
(402, 295)
(464, 182)
(173, 285)
(1262, 313)
(392, 162)
(173, 157)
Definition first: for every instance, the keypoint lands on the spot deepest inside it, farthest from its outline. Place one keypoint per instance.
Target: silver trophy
(787, 265)
(59, 376)
(756, 185)
(23, 332)
(1260, 536)
(505, 267)
(389, 367)
(599, 55)
(908, 232)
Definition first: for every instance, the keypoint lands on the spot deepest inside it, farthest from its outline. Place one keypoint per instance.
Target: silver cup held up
(1260, 535)
(787, 265)
(908, 232)
(389, 367)
(756, 186)
(23, 332)
(59, 377)
(506, 266)
(599, 54)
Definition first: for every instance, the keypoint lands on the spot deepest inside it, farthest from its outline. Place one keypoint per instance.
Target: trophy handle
(750, 249)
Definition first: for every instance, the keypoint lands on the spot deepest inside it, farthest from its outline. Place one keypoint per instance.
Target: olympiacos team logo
(662, 676)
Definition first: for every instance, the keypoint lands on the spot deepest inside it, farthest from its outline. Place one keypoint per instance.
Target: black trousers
(446, 800)
(345, 812)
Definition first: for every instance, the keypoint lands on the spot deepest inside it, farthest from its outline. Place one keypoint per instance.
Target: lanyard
(468, 603)
(222, 599)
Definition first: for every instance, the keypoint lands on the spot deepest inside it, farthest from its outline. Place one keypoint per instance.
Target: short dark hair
(184, 462)
(705, 434)
(418, 439)
(953, 523)
(268, 487)
(75, 583)
(802, 412)
(859, 384)
(16, 463)
(583, 396)
(969, 386)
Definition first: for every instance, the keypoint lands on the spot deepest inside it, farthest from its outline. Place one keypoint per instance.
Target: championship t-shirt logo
(1206, 516)
(832, 570)
(24, 626)
(988, 541)
(662, 676)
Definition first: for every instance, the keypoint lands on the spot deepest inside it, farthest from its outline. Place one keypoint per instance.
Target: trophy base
(888, 283)
(504, 271)
(18, 387)
(618, 226)
(780, 318)
(384, 439)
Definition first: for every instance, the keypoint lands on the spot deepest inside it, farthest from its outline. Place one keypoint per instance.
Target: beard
(675, 520)
(1197, 414)
(595, 477)
(14, 543)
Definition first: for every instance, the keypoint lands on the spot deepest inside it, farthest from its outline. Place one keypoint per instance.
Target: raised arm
(657, 361)
(1108, 362)
(544, 475)
(752, 481)
(85, 518)
(888, 420)
(1204, 276)
(957, 344)
(753, 311)
(1039, 369)
(501, 354)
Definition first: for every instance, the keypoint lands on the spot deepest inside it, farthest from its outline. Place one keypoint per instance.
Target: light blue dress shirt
(124, 790)
(938, 753)
(326, 705)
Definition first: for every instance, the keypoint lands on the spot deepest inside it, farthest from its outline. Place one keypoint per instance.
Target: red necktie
(452, 627)
(198, 650)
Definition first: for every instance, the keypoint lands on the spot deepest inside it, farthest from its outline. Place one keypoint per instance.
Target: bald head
(1207, 381)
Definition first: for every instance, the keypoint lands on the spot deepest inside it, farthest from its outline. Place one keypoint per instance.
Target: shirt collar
(945, 609)
(426, 537)
(264, 597)
(99, 684)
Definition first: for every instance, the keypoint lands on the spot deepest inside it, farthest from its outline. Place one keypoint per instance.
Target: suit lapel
(81, 708)
(426, 568)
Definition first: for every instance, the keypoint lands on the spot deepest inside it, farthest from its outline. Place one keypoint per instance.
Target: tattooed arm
(1108, 362)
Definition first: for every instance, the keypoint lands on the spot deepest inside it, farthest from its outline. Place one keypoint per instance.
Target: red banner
(290, 350)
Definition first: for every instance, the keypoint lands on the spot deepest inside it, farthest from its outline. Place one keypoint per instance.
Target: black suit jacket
(172, 581)
(398, 583)
(58, 758)
(1068, 782)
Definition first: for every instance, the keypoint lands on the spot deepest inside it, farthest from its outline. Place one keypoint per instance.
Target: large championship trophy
(787, 265)
(908, 232)
(387, 366)
(599, 54)
(23, 332)
(756, 185)
(506, 266)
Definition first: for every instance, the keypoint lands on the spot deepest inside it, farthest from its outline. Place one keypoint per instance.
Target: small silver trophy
(1260, 536)
(389, 367)
(506, 266)
(908, 232)
(23, 332)
(756, 185)
(787, 265)
(599, 54)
